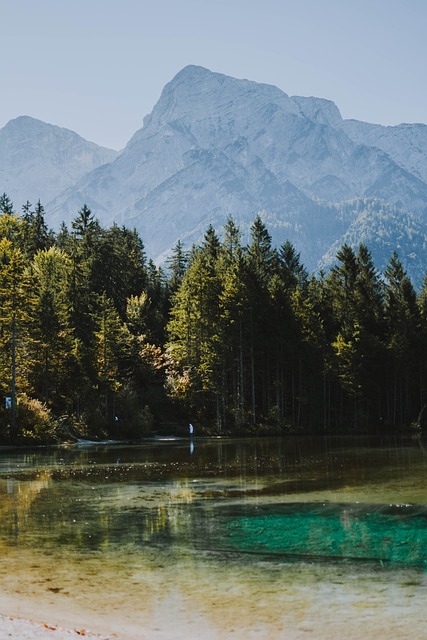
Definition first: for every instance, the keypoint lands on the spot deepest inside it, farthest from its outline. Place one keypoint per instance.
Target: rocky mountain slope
(215, 146)
(39, 160)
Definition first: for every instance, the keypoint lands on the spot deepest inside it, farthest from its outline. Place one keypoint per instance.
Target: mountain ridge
(40, 160)
(215, 146)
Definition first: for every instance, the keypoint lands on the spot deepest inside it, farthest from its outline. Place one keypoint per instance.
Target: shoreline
(28, 629)
(36, 617)
(352, 612)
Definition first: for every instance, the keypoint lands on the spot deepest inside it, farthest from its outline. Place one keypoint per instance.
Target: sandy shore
(58, 600)
(11, 627)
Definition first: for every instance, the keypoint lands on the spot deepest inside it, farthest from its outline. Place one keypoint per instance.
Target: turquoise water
(390, 536)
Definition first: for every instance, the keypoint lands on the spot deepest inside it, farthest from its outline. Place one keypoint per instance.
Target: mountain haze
(215, 146)
(39, 160)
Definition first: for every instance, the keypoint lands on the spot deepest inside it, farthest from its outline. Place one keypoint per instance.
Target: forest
(97, 341)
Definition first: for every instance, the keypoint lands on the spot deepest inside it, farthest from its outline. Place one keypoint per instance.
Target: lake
(288, 537)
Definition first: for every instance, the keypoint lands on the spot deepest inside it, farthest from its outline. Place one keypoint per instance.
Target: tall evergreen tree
(52, 344)
(112, 355)
(6, 204)
(85, 223)
(35, 234)
(357, 323)
(292, 272)
(259, 260)
(14, 294)
(177, 265)
(404, 344)
(422, 302)
(195, 344)
(118, 266)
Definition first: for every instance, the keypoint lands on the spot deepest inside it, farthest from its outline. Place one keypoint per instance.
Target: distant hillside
(39, 160)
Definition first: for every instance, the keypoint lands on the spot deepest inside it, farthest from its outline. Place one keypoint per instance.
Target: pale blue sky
(98, 66)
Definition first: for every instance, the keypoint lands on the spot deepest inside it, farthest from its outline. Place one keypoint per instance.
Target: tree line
(238, 338)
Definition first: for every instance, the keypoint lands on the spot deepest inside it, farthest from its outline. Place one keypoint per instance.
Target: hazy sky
(98, 66)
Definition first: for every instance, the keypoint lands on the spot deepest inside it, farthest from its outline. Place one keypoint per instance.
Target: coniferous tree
(81, 246)
(195, 344)
(259, 259)
(292, 272)
(231, 247)
(14, 294)
(118, 267)
(422, 302)
(158, 308)
(404, 343)
(34, 234)
(355, 293)
(177, 265)
(52, 337)
(113, 350)
(85, 223)
(234, 308)
(6, 204)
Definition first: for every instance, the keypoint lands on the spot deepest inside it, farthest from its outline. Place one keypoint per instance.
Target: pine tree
(85, 223)
(404, 344)
(6, 204)
(286, 337)
(118, 266)
(52, 336)
(355, 292)
(422, 303)
(14, 294)
(231, 243)
(34, 234)
(112, 355)
(259, 261)
(177, 265)
(292, 272)
(234, 309)
(194, 341)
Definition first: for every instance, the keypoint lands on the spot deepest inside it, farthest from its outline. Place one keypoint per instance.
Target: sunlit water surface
(271, 538)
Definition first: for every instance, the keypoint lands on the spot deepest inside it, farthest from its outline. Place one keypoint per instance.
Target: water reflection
(167, 494)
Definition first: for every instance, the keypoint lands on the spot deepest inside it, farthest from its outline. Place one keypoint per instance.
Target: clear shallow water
(269, 538)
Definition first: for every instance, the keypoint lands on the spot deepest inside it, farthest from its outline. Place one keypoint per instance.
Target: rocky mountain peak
(203, 95)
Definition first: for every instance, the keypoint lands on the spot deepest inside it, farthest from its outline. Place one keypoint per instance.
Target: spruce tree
(52, 336)
(404, 343)
(14, 337)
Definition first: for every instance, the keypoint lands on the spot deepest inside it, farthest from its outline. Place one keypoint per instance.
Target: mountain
(406, 144)
(384, 229)
(215, 146)
(39, 160)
